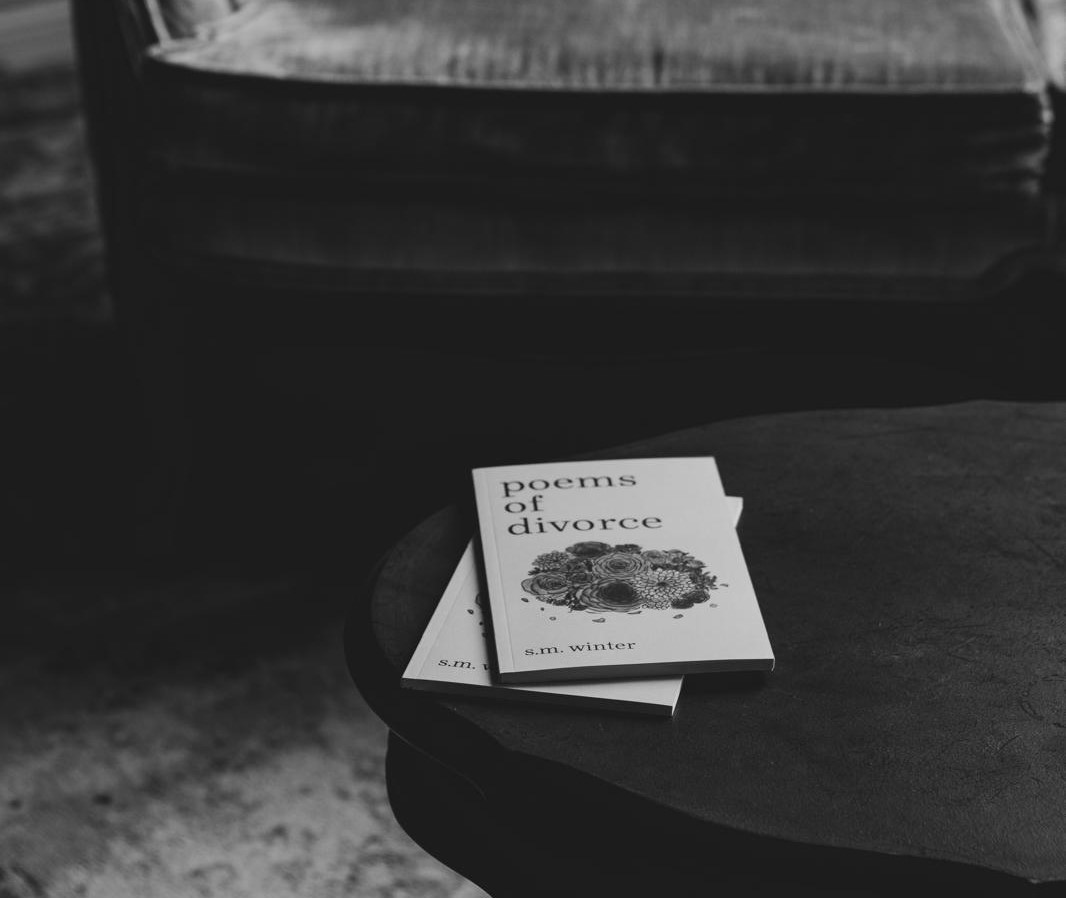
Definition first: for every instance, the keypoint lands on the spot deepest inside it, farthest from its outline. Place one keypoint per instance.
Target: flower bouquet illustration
(627, 579)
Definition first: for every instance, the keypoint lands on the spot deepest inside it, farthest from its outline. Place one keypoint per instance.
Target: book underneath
(453, 656)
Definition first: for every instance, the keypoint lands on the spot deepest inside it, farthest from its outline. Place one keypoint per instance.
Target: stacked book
(597, 584)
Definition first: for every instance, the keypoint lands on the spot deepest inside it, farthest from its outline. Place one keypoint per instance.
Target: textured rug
(195, 738)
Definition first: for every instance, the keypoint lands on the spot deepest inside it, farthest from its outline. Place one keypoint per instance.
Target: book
(621, 568)
(453, 656)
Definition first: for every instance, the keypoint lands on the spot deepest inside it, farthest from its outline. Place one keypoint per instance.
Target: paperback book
(622, 568)
(453, 656)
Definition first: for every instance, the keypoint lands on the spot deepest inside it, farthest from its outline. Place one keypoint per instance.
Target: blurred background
(174, 726)
(176, 718)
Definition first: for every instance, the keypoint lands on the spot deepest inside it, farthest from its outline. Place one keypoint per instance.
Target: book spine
(501, 627)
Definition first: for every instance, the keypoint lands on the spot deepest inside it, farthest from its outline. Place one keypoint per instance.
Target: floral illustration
(628, 579)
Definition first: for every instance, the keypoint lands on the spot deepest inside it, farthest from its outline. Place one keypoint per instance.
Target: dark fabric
(767, 143)
(877, 148)
(798, 96)
(521, 244)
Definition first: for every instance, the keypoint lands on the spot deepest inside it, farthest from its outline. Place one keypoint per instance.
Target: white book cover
(453, 656)
(619, 568)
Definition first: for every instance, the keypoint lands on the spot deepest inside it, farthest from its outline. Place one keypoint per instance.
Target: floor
(156, 744)
(178, 731)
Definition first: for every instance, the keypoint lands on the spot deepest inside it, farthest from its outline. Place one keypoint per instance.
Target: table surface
(911, 569)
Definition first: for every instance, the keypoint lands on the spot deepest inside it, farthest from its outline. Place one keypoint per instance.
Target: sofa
(766, 148)
(544, 183)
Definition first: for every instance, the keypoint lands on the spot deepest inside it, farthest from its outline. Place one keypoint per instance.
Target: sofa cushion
(884, 98)
(822, 45)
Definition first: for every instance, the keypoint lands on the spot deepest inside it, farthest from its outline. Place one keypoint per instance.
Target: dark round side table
(911, 568)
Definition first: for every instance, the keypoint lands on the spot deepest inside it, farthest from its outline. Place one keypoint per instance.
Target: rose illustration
(690, 598)
(550, 586)
(619, 564)
(588, 550)
(610, 595)
(596, 577)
